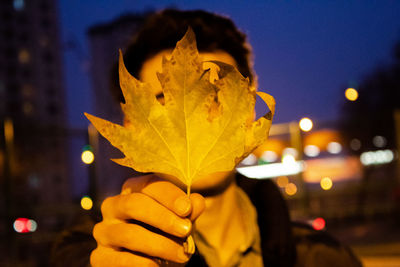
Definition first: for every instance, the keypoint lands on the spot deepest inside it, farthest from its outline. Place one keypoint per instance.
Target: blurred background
(333, 67)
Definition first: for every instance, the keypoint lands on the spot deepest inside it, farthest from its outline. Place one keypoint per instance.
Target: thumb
(198, 206)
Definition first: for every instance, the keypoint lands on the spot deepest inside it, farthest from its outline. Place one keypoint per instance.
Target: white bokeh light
(250, 160)
(269, 156)
(334, 148)
(311, 151)
(379, 141)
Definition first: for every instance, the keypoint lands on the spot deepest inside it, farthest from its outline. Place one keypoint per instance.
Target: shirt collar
(252, 235)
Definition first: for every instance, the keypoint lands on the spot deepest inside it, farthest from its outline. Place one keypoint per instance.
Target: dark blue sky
(306, 53)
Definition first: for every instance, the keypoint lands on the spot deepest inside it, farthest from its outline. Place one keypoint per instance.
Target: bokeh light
(24, 225)
(18, 4)
(355, 144)
(31, 225)
(379, 141)
(305, 124)
(291, 189)
(288, 159)
(282, 181)
(311, 151)
(318, 224)
(20, 225)
(334, 148)
(269, 156)
(87, 157)
(376, 157)
(86, 203)
(290, 151)
(24, 56)
(326, 183)
(351, 94)
(250, 160)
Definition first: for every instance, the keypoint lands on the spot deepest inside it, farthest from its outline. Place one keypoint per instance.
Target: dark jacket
(283, 243)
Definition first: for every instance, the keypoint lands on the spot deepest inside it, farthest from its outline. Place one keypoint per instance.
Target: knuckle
(106, 205)
(101, 233)
(94, 258)
(134, 202)
(170, 222)
(97, 232)
(127, 184)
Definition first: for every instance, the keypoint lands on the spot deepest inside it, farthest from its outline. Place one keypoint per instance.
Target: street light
(351, 94)
(326, 183)
(86, 203)
(305, 124)
(87, 155)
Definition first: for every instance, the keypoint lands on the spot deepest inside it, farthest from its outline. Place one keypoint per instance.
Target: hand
(149, 220)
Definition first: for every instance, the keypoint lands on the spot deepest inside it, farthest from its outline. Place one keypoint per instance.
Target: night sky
(306, 53)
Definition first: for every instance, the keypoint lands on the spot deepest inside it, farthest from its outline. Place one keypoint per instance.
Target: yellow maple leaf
(202, 127)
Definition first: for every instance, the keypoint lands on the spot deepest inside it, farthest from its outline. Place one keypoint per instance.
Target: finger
(143, 208)
(166, 193)
(105, 256)
(170, 196)
(139, 239)
(136, 184)
(198, 206)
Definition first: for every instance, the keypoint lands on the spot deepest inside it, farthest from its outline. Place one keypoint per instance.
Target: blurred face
(148, 74)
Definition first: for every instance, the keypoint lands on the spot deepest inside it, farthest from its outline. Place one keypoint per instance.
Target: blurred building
(34, 175)
(322, 176)
(104, 42)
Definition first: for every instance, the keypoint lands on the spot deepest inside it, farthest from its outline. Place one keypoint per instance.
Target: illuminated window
(27, 108)
(18, 5)
(24, 56)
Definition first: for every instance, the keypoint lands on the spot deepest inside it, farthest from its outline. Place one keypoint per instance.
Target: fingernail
(183, 227)
(182, 205)
(189, 246)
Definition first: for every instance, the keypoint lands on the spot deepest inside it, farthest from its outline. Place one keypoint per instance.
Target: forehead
(153, 65)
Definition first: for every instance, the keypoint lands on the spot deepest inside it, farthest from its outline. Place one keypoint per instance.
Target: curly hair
(163, 29)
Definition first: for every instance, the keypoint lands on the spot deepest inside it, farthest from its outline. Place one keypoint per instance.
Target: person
(234, 221)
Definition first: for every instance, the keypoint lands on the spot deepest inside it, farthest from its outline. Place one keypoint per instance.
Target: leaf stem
(188, 190)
